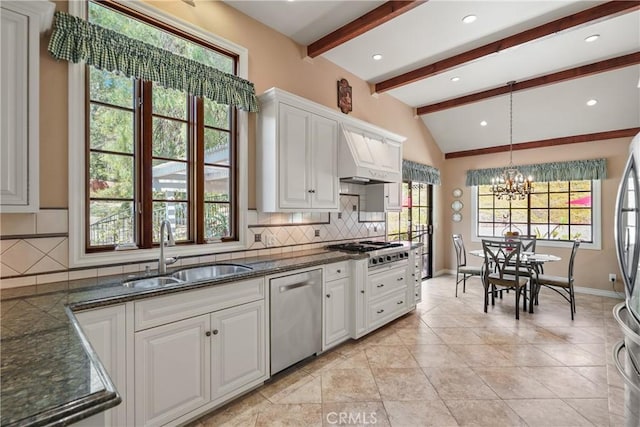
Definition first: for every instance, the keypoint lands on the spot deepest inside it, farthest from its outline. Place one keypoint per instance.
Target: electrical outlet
(612, 277)
(316, 233)
(257, 237)
(339, 215)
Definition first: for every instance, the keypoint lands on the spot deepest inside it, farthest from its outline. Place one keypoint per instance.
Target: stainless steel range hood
(369, 156)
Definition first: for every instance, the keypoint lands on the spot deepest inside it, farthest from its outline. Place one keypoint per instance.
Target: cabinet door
(14, 166)
(172, 370)
(393, 196)
(293, 158)
(238, 348)
(336, 311)
(105, 330)
(324, 163)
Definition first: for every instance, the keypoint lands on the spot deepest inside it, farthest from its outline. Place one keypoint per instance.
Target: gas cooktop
(365, 246)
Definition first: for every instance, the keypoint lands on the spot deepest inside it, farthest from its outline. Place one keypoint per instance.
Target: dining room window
(559, 211)
(154, 153)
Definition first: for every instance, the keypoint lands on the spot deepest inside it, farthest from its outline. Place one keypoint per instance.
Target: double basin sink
(188, 275)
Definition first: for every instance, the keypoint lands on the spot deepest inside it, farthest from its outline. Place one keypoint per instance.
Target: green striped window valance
(545, 172)
(75, 40)
(412, 171)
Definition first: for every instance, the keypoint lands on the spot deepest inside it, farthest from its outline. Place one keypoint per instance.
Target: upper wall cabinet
(20, 27)
(305, 149)
(297, 157)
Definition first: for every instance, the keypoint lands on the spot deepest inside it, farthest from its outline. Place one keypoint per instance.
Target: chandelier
(511, 184)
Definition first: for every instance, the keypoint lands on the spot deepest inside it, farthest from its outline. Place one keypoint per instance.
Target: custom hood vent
(367, 157)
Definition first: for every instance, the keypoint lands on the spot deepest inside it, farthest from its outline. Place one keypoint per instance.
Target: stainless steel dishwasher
(296, 318)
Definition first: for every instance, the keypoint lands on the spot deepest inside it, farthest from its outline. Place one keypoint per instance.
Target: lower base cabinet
(105, 330)
(185, 365)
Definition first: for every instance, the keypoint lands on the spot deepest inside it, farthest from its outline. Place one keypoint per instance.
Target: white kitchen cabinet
(386, 292)
(238, 346)
(358, 312)
(172, 370)
(20, 27)
(383, 197)
(336, 304)
(297, 155)
(105, 330)
(187, 366)
(415, 262)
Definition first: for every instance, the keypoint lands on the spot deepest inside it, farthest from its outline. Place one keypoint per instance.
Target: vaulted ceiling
(457, 74)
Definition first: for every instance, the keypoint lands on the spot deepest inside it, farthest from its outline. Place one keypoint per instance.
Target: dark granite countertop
(50, 376)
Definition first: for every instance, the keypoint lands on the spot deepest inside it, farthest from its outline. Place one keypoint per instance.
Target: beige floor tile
(565, 382)
(310, 392)
(458, 336)
(322, 363)
(513, 383)
(547, 413)
(403, 384)
(484, 413)
(596, 374)
(458, 383)
(242, 408)
(526, 355)
(247, 419)
(498, 336)
(349, 385)
(595, 410)
(355, 414)
(382, 356)
(290, 415)
(418, 336)
(480, 355)
(431, 356)
(572, 355)
(577, 335)
(357, 359)
(419, 413)
(284, 383)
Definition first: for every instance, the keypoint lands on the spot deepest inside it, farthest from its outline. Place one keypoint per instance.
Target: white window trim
(77, 255)
(596, 227)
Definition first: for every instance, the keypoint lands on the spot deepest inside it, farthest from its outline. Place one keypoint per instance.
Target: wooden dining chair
(462, 269)
(563, 285)
(499, 255)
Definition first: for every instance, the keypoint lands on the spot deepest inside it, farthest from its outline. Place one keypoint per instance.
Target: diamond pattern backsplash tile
(299, 228)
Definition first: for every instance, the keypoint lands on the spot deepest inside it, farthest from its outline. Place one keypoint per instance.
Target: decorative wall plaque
(345, 102)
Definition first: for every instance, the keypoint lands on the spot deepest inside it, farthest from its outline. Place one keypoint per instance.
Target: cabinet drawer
(165, 309)
(386, 282)
(382, 311)
(335, 271)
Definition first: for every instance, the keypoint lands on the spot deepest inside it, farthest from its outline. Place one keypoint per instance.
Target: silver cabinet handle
(400, 279)
(328, 295)
(381, 285)
(362, 291)
(338, 271)
(208, 333)
(215, 332)
(400, 302)
(380, 311)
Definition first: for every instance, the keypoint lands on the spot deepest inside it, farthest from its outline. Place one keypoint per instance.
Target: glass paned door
(415, 221)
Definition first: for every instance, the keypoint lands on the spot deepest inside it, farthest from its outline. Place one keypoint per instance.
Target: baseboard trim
(598, 292)
(444, 272)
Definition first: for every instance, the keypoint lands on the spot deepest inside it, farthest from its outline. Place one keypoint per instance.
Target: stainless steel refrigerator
(626, 353)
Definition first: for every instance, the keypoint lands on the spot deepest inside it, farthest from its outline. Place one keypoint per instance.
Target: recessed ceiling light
(592, 38)
(483, 123)
(469, 19)
(377, 57)
(455, 79)
(592, 102)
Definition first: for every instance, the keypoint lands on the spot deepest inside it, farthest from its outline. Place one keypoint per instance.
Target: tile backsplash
(34, 248)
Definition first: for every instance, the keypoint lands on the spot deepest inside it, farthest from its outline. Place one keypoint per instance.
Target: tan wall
(592, 266)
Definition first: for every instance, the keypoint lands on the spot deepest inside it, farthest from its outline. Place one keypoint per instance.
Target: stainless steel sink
(209, 272)
(151, 282)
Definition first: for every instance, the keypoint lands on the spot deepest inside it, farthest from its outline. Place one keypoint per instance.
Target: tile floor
(448, 363)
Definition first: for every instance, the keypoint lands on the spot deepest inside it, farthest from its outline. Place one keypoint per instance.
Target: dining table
(533, 260)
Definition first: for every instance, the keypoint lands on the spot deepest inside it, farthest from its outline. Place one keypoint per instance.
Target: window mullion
(197, 188)
(145, 106)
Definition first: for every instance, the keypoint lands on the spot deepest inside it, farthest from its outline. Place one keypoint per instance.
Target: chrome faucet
(166, 239)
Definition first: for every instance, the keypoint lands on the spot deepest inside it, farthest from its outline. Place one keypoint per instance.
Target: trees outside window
(155, 153)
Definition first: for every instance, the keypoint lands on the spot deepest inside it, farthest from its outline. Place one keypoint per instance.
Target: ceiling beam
(606, 10)
(560, 76)
(599, 136)
(361, 25)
